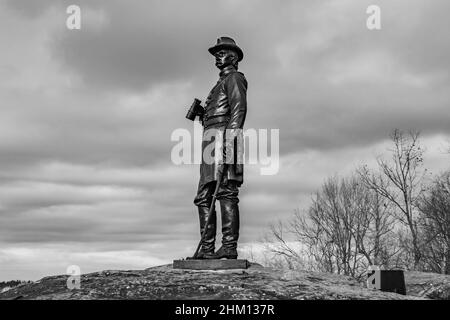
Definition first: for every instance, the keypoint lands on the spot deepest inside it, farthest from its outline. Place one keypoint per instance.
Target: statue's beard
(222, 63)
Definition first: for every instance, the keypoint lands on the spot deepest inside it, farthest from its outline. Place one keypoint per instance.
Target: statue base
(211, 264)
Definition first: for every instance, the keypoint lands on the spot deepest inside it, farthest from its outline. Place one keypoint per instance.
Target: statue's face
(224, 58)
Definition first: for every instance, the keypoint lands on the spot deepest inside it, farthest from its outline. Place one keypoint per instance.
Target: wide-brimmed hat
(226, 43)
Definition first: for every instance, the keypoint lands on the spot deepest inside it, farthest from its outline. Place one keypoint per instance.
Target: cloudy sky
(86, 115)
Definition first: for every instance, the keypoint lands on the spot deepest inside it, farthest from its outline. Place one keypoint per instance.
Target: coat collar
(226, 71)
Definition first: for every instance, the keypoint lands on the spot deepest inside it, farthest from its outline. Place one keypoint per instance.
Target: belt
(215, 120)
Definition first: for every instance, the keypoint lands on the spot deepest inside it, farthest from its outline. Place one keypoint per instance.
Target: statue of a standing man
(225, 110)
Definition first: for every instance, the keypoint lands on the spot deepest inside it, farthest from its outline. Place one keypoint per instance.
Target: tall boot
(209, 240)
(230, 230)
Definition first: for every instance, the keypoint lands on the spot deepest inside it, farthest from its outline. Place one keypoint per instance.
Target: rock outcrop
(163, 282)
(431, 285)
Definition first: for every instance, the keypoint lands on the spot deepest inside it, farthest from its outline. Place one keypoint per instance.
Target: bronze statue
(225, 109)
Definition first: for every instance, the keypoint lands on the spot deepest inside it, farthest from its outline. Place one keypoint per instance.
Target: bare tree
(378, 243)
(344, 230)
(400, 181)
(283, 253)
(435, 209)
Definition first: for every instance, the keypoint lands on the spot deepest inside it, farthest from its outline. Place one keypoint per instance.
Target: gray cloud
(29, 9)
(86, 116)
(316, 76)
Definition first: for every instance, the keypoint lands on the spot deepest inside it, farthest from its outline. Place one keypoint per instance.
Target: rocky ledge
(257, 282)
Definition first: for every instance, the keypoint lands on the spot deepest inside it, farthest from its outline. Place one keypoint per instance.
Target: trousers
(227, 195)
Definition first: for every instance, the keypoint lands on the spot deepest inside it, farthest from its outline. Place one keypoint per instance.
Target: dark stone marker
(392, 281)
(211, 264)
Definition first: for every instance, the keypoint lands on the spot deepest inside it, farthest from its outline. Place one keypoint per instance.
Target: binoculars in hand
(195, 110)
